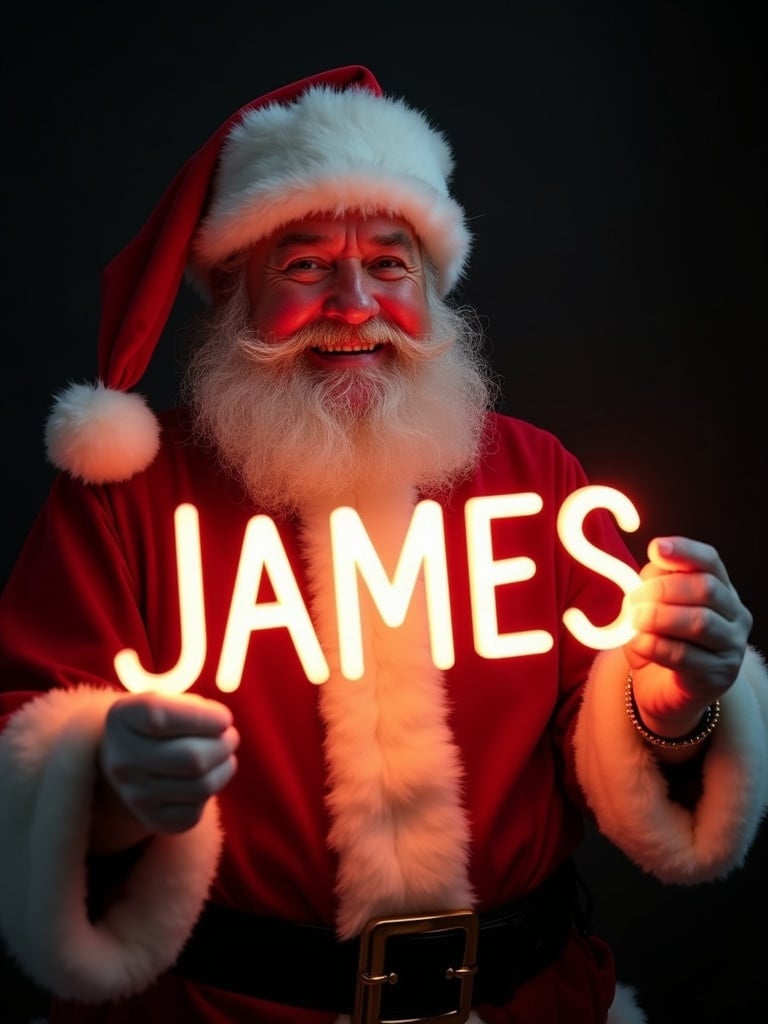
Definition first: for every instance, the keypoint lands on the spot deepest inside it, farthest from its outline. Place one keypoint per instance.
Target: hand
(692, 634)
(165, 756)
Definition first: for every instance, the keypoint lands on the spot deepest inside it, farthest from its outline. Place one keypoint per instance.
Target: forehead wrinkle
(294, 238)
(394, 239)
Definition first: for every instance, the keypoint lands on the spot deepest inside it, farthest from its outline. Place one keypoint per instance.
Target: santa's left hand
(692, 632)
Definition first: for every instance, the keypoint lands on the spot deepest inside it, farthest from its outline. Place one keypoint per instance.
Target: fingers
(704, 626)
(130, 755)
(690, 575)
(671, 591)
(688, 616)
(703, 672)
(165, 756)
(153, 714)
(173, 804)
(681, 554)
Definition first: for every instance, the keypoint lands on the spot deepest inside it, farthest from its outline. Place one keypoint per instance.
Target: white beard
(294, 434)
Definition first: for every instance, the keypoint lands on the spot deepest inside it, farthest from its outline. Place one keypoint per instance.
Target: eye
(305, 263)
(388, 267)
(306, 268)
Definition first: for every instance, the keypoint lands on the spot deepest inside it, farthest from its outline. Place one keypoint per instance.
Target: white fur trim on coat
(624, 1008)
(49, 750)
(333, 152)
(627, 791)
(394, 770)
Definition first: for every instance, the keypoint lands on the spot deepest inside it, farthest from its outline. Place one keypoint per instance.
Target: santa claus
(392, 844)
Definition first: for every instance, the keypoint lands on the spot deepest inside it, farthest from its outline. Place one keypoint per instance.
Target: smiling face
(330, 363)
(344, 281)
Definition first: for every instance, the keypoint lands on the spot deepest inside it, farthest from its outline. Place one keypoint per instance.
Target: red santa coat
(290, 836)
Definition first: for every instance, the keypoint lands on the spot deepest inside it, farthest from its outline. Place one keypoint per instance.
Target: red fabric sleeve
(70, 603)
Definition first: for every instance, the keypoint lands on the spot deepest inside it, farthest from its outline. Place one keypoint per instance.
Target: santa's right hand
(165, 756)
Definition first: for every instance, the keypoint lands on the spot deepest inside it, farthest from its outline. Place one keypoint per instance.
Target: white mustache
(267, 350)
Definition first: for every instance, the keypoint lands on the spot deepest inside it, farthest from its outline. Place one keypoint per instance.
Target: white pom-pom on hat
(100, 435)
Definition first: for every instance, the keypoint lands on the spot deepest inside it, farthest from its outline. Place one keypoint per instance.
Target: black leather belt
(401, 968)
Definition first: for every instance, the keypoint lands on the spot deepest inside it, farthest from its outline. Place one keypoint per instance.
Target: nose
(350, 297)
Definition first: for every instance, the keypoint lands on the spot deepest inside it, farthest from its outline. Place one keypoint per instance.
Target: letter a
(263, 549)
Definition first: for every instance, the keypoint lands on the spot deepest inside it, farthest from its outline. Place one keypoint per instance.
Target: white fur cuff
(627, 791)
(48, 768)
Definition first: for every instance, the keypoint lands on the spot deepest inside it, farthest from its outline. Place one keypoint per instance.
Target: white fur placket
(394, 771)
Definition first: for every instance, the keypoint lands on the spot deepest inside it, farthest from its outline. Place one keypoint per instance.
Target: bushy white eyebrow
(389, 240)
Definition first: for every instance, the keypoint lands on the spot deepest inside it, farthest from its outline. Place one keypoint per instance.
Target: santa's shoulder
(526, 449)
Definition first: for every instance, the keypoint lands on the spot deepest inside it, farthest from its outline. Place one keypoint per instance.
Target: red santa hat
(331, 143)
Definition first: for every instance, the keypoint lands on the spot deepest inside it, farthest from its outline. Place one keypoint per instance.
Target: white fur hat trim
(333, 152)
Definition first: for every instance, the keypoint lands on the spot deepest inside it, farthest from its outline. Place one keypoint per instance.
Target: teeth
(356, 347)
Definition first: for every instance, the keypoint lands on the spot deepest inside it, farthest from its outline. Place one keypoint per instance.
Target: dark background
(612, 161)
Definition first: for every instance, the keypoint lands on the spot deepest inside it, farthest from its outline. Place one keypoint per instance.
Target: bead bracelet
(704, 729)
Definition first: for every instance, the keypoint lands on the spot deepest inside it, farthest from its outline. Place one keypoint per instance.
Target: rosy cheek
(283, 314)
(408, 310)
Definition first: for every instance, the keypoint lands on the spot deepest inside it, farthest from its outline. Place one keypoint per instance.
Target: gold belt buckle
(371, 976)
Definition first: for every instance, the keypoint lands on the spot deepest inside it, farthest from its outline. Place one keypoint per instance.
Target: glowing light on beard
(295, 434)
